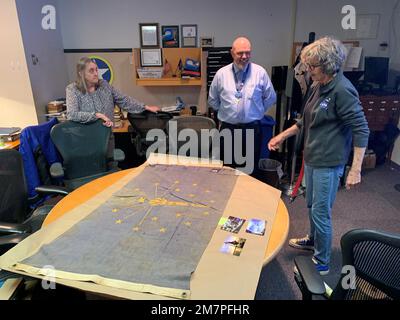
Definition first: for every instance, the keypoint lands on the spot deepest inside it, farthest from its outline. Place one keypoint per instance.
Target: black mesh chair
(142, 123)
(17, 220)
(84, 151)
(203, 145)
(375, 257)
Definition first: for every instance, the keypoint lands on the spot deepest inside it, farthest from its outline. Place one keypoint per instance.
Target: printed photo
(256, 226)
(232, 224)
(233, 245)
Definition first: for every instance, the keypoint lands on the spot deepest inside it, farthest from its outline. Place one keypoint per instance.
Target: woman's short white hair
(328, 52)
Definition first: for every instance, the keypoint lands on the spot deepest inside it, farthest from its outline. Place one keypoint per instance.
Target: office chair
(142, 123)
(84, 149)
(196, 123)
(375, 257)
(17, 220)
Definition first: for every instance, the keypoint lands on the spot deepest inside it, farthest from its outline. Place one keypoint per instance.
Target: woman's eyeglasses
(312, 66)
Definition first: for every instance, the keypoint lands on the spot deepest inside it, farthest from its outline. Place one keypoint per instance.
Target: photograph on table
(233, 245)
(256, 226)
(231, 224)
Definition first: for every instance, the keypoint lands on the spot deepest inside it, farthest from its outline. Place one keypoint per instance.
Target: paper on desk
(353, 58)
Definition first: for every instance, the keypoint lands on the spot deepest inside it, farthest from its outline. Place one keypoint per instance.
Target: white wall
(97, 24)
(325, 18)
(115, 24)
(49, 76)
(16, 100)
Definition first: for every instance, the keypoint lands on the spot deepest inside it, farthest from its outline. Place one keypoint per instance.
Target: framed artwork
(189, 35)
(149, 35)
(206, 42)
(170, 36)
(151, 57)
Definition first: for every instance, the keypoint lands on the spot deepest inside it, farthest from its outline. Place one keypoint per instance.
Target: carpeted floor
(374, 204)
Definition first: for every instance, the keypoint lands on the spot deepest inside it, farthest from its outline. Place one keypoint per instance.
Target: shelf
(172, 55)
(169, 82)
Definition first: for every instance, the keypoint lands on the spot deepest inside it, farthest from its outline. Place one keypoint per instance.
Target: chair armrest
(17, 228)
(309, 275)
(56, 170)
(52, 190)
(119, 155)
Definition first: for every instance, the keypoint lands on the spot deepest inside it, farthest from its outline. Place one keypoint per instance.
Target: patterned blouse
(83, 107)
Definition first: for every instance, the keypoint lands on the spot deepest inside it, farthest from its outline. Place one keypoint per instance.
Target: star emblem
(118, 221)
(163, 230)
(101, 72)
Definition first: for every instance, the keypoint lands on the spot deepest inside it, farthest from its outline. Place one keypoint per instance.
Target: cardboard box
(369, 161)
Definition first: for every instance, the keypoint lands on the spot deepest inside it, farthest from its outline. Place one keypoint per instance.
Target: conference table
(278, 236)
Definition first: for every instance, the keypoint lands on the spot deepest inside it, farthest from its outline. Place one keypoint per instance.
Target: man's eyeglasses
(242, 53)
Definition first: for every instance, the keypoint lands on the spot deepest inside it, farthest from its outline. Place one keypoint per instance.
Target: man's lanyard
(240, 85)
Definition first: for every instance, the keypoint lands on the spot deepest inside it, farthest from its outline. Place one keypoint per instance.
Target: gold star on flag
(141, 200)
(114, 210)
(154, 219)
(163, 230)
(118, 221)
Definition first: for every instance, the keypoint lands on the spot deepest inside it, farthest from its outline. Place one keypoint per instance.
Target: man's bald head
(241, 52)
(241, 42)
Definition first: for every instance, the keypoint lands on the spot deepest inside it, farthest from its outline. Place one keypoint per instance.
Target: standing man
(241, 93)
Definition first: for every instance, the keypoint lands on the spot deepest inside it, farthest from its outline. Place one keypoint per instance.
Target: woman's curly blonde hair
(327, 52)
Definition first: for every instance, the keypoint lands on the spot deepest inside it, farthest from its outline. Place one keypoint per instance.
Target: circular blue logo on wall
(105, 70)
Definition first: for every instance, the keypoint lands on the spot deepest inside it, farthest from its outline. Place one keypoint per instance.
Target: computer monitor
(376, 70)
(353, 76)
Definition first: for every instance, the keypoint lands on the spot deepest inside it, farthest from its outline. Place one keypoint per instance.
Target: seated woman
(89, 98)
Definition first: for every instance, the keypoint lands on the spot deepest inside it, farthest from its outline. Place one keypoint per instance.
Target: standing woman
(333, 121)
(89, 98)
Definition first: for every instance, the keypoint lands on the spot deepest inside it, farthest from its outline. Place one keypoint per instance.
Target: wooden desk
(12, 145)
(277, 239)
(124, 128)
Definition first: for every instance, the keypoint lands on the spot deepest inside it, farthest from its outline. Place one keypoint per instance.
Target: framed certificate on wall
(189, 35)
(149, 35)
(151, 57)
